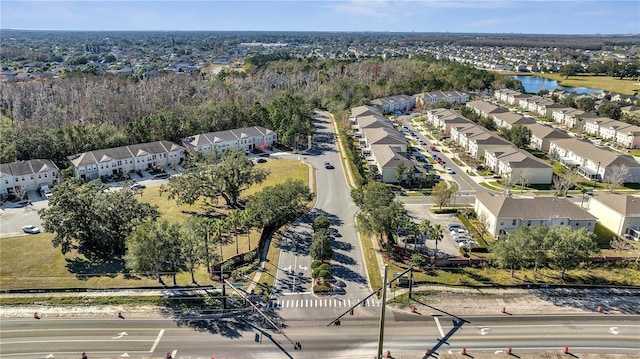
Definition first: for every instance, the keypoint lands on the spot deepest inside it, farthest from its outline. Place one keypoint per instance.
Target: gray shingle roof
(535, 208)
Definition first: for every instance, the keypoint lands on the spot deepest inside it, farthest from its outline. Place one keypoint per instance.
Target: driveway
(13, 216)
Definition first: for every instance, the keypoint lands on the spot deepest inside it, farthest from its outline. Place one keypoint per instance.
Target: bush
(321, 288)
(315, 264)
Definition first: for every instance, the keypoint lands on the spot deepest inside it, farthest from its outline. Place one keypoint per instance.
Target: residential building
(628, 137)
(363, 111)
(592, 162)
(510, 97)
(619, 213)
(507, 213)
(23, 176)
(480, 142)
(247, 139)
(394, 103)
(444, 119)
(387, 160)
(542, 135)
(518, 166)
(592, 126)
(510, 119)
(485, 109)
(125, 159)
(431, 98)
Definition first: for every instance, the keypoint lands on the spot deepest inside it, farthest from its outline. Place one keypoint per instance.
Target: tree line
(56, 118)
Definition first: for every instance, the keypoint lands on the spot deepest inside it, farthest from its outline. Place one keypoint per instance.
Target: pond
(533, 84)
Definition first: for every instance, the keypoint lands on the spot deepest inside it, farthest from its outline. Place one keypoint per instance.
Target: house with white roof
(507, 213)
(518, 165)
(23, 176)
(125, 159)
(431, 98)
(444, 119)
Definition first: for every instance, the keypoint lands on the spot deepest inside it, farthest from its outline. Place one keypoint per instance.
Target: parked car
(31, 229)
(137, 186)
(451, 226)
(261, 160)
(471, 243)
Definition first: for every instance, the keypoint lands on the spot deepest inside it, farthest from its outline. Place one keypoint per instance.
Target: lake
(533, 84)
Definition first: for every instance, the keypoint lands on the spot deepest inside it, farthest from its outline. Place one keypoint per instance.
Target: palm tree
(219, 226)
(436, 234)
(425, 227)
(234, 220)
(247, 223)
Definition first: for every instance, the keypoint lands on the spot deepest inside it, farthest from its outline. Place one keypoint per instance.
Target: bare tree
(483, 223)
(524, 176)
(616, 177)
(620, 244)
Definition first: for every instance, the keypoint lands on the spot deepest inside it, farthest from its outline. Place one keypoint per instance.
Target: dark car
(261, 160)
(328, 166)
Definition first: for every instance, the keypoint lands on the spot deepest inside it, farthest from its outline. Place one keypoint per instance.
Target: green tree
(418, 260)
(586, 104)
(506, 253)
(154, 247)
(321, 222)
(520, 136)
(92, 219)
(234, 173)
(571, 247)
(219, 227)
(212, 178)
(436, 234)
(248, 220)
(321, 249)
(275, 205)
(610, 110)
(234, 220)
(379, 208)
(193, 245)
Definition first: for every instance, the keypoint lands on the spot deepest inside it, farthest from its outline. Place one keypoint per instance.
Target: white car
(471, 243)
(31, 229)
(459, 231)
(450, 171)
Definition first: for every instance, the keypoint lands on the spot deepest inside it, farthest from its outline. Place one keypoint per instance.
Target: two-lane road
(293, 295)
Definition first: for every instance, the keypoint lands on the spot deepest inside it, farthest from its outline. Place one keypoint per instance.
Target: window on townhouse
(528, 223)
(513, 223)
(501, 223)
(45, 175)
(39, 176)
(577, 224)
(6, 181)
(562, 223)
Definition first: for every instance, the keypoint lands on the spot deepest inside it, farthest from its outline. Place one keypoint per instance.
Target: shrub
(321, 288)
(315, 264)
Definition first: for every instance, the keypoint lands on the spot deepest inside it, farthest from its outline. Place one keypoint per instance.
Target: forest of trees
(60, 117)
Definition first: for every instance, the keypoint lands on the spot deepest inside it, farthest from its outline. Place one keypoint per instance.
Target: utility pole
(382, 311)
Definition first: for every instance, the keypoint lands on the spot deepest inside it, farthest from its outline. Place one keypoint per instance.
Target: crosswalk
(320, 303)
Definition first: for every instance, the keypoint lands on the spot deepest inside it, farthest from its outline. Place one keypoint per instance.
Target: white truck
(46, 191)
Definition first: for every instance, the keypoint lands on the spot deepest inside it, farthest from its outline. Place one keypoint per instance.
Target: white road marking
(50, 356)
(173, 353)
(484, 331)
(614, 330)
(124, 355)
(439, 327)
(155, 343)
(120, 335)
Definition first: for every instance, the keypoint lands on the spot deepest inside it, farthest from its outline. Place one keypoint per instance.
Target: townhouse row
(120, 161)
(617, 212)
(622, 133)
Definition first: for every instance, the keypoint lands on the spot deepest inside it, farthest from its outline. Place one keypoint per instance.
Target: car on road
(328, 166)
(31, 229)
(450, 171)
(261, 160)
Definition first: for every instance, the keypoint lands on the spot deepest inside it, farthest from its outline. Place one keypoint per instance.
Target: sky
(475, 16)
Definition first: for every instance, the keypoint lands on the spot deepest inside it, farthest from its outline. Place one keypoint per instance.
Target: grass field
(33, 262)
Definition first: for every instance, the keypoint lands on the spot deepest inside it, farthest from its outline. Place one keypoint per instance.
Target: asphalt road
(406, 336)
(333, 199)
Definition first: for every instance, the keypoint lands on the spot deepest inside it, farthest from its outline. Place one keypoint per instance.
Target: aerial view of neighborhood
(318, 194)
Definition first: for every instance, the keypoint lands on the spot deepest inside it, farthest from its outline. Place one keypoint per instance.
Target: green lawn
(33, 262)
(606, 83)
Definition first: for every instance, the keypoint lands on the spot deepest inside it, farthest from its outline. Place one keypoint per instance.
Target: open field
(33, 262)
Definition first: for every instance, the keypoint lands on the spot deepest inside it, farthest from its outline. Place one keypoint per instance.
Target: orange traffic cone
(566, 349)
(463, 351)
(509, 350)
(388, 354)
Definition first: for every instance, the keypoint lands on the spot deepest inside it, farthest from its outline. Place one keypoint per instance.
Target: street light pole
(382, 311)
